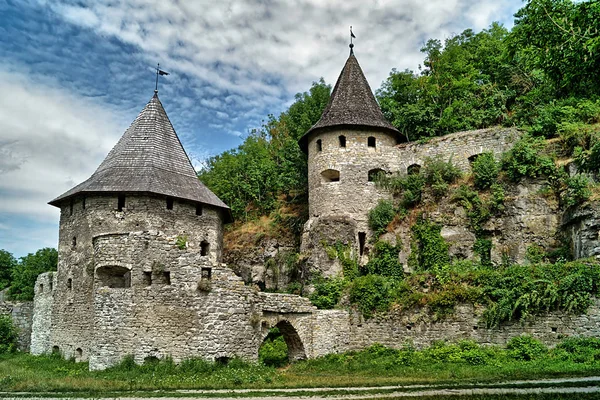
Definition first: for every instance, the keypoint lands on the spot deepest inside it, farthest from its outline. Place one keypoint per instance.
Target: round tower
(346, 148)
(123, 230)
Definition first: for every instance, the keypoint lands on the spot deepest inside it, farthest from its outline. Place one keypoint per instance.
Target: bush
(485, 170)
(327, 293)
(579, 350)
(439, 174)
(525, 348)
(409, 187)
(384, 261)
(429, 249)
(577, 191)
(381, 215)
(8, 335)
(274, 351)
(371, 293)
(27, 271)
(483, 248)
(526, 159)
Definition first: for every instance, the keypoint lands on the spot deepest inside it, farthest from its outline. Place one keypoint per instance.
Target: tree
(7, 263)
(27, 270)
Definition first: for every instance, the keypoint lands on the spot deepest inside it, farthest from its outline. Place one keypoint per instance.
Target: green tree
(27, 270)
(7, 264)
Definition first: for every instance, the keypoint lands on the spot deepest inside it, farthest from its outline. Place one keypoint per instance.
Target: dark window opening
(169, 203)
(71, 207)
(120, 202)
(41, 287)
(204, 248)
(206, 273)
(319, 145)
(554, 329)
(74, 242)
(413, 169)
(167, 277)
(147, 278)
(50, 284)
(475, 327)
(151, 360)
(375, 173)
(198, 209)
(408, 327)
(55, 350)
(83, 203)
(342, 139)
(371, 141)
(330, 175)
(114, 276)
(362, 237)
(78, 352)
(69, 283)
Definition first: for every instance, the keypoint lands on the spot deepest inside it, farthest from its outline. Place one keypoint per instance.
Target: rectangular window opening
(120, 202)
(147, 278)
(83, 203)
(206, 273)
(169, 203)
(71, 207)
(362, 237)
(167, 277)
(198, 209)
(204, 248)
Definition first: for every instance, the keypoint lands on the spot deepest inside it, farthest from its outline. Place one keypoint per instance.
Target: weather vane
(351, 37)
(158, 72)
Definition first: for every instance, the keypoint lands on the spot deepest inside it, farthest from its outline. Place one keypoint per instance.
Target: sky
(75, 73)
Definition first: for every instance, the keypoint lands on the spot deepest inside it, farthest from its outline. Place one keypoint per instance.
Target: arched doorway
(272, 343)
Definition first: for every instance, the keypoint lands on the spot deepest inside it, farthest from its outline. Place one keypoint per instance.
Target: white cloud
(50, 140)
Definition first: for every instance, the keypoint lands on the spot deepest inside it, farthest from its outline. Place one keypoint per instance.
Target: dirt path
(575, 385)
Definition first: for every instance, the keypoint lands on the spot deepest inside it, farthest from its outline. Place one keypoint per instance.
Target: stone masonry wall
(396, 329)
(73, 327)
(43, 303)
(21, 313)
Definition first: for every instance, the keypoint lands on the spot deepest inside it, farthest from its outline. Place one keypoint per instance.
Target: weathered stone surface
(21, 313)
(581, 227)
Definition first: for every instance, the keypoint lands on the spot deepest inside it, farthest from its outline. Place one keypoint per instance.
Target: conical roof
(148, 158)
(352, 105)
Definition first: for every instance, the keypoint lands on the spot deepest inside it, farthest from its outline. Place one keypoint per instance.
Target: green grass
(447, 364)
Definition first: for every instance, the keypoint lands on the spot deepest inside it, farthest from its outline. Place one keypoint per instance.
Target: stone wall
(460, 147)
(398, 328)
(43, 303)
(21, 313)
(73, 326)
(581, 227)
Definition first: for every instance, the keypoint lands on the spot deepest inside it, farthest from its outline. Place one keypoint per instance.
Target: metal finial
(158, 72)
(351, 44)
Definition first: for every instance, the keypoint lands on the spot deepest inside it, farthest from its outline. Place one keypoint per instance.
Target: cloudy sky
(75, 73)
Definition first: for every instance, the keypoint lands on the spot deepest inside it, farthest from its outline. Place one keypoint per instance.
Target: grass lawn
(463, 363)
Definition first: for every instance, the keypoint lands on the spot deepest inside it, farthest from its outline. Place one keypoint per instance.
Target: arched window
(371, 141)
(319, 145)
(413, 169)
(114, 276)
(374, 173)
(473, 158)
(342, 139)
(330, 175)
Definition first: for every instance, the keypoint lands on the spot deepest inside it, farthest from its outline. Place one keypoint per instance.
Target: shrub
(577, 191)
(274, 351)
(8, 335)
(579, 349)
(381, 215)
(384, 261)
(534, 254)
(439, 174)
(525, 348)
(327, 292)
(483, 248)
(409, 187)
(526, 159)
(485, 170)
(496, 204)
(429, 247)
(371, 293)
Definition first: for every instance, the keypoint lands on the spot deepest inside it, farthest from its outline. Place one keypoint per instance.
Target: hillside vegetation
(541, 75)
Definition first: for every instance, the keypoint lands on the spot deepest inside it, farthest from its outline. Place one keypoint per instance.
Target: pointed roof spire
(352, 105)
(148, 158)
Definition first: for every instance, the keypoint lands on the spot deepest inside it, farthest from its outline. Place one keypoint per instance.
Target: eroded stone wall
(21, 313)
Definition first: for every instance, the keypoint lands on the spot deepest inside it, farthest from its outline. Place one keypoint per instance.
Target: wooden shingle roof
(148, 158)
(352, 105)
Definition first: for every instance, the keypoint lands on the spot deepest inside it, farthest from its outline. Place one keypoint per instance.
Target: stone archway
(294, 344)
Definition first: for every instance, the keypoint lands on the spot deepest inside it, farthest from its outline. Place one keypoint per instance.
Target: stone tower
(346, 149)
(126, 226)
